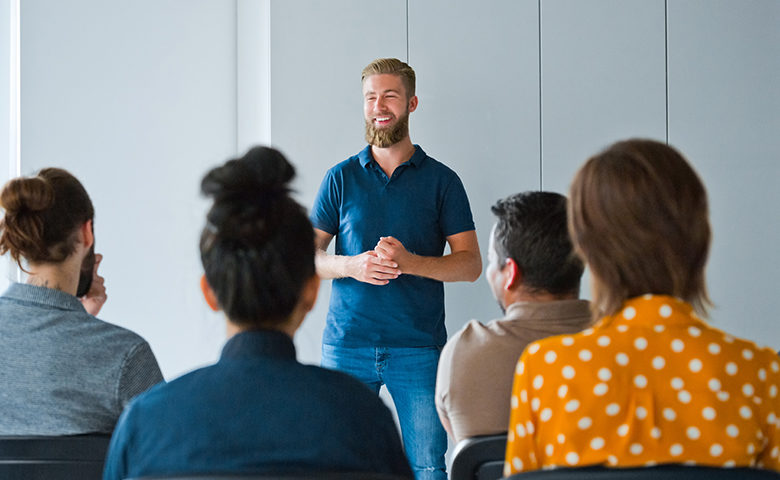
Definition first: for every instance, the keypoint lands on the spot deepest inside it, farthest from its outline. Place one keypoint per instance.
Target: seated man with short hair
(536, 279)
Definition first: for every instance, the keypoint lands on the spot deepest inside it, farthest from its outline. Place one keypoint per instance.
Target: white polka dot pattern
(708, 413)
(562, 391)
(658, 362)
(652, 384)
(621, 359)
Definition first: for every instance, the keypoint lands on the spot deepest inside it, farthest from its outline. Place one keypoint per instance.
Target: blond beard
(385, 137)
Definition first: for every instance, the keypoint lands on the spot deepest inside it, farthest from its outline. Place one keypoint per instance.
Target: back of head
(257, 247)
(532, 230)
(639, 219)
(392, 66)
(42, 216)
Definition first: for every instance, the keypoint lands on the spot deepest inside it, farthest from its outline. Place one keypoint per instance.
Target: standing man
(392, 208)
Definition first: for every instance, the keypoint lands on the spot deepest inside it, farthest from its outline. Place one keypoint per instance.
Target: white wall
(724, 113)
(140, 98)
(9, 70)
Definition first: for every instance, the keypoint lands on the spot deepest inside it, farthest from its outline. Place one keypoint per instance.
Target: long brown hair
(42, 216)
(638, 216)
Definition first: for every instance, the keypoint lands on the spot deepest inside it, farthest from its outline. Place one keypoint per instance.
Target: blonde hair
(638, 216)
(392, 66)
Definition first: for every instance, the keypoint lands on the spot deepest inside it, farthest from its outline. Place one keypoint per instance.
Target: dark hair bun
(257, 247)
(263, 172)
(249, 194)
(33, 194)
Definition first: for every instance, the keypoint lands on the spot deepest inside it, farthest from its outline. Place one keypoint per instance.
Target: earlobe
(208, 294)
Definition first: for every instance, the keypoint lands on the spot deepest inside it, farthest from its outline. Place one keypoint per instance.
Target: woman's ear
(310, 291)
(87, 234)
(208, 294)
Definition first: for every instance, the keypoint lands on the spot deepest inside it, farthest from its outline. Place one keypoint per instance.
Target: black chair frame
(53, 458)
(479, 458)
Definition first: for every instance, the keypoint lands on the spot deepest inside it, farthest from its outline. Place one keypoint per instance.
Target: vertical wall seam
(15, 164)
(541, 145)
(15, 94)
(666, 63)
(236, 57)
(407, 31)
(268, 88)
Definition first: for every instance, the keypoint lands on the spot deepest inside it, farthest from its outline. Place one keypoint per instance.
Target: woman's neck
(58, 276)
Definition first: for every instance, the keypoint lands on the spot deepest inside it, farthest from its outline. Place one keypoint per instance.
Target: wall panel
(137, 99)
(603, 79)
(724, 115)
(318, 50)
(478, 83)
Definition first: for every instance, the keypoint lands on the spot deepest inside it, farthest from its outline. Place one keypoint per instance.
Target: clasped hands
(385, 262)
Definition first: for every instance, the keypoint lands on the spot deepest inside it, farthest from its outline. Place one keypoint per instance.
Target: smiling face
(386, 109)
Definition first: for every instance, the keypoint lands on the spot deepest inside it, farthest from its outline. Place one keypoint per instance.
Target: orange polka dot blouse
(652, 384)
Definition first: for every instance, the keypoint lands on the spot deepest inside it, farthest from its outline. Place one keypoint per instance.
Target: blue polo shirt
(422, 204)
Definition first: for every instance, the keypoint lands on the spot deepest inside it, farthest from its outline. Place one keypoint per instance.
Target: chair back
(479, 458)
(662, 472)
(53, 458)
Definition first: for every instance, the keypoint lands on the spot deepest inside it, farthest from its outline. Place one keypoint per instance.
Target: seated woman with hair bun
(257, 410)
(62, 371)
(651, 382)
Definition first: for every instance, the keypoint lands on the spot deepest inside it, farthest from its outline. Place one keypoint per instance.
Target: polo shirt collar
(48, 297)
(259, 343)
(417, 158)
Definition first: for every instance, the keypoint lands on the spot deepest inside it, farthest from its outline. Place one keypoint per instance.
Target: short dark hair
(640, 220)
(257, 247)
(532, 231)
(42, 215)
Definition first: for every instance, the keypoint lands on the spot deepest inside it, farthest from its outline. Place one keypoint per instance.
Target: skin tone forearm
(367, 267)
(454, 267)
(463, 264)
(390, 259)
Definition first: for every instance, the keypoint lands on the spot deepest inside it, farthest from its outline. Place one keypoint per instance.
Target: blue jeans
(410, 377)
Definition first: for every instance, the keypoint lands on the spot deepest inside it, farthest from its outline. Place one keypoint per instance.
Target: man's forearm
(461, 266)
(331, 266)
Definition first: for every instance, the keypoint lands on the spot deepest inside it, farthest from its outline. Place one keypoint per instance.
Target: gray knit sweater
(63, 371)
